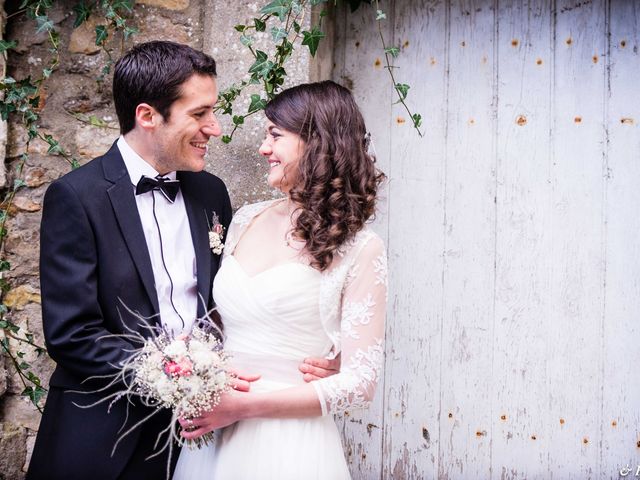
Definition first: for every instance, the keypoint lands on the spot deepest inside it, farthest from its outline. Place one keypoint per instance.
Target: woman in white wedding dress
(302, 276)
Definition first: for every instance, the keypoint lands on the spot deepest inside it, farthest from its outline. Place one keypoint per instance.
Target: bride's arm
(362, 331)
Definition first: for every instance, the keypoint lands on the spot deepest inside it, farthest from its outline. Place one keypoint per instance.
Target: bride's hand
(232, 407)
(242, 380)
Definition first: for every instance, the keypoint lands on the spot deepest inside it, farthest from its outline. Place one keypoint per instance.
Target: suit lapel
(198, 217)
(124, 205)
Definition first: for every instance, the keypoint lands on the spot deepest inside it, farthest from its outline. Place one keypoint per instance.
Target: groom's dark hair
(153, 73)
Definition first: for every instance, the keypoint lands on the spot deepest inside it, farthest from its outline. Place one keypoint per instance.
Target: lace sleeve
(362, 331)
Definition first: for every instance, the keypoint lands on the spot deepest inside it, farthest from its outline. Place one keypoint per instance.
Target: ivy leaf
(101, 35)
(44, 24)
(317, 2)
(393, 51)
(246, 40)
(226, 139)
(4, 45)
(238, 119)
(123, 5)
(262, 65)
(34, 394)
(240, 28)
(257, 103)
(260, 25)
(296, 27)
(19, 183)
(129, 31)
(278, 33)
(402, 89)
(312, 39)
(4, 266)
(46, 73)
(417, 120)
(280, 8)
(380, 15)
(82, 13)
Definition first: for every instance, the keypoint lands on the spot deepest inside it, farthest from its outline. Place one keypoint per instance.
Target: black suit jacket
(93, 255)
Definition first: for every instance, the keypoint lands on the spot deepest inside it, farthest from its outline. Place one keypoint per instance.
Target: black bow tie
(169, 188)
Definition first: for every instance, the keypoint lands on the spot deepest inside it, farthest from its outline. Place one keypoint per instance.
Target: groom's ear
(147, 117)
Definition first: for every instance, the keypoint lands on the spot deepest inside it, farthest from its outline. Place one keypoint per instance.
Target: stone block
(18, 297)
(13, 451)
(24, 204)
(83, 38)
(166, 4)
(20, 412)
(92, 142)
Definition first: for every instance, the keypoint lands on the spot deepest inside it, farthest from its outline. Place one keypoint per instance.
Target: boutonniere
(216, 232)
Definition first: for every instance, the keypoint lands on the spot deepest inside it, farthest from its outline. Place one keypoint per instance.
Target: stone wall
(73, 92)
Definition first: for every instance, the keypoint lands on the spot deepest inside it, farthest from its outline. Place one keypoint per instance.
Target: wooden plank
(519, 406)
(469, 245)
(574, 350)
(359, 45)
(621, 390)
(416, 189)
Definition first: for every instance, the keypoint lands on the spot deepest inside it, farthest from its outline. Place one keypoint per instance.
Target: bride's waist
(275, 372)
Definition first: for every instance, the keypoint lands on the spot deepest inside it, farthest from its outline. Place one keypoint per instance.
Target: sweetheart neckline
(273, 267)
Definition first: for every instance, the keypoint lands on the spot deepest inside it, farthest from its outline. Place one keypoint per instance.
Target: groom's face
(181, 139)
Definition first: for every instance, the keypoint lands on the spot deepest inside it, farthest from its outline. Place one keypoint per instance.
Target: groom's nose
(212, 127)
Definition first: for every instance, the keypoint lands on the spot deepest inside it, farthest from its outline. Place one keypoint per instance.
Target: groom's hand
(316, 368)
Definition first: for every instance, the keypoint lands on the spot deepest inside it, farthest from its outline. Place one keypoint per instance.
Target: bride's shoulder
(246, 213)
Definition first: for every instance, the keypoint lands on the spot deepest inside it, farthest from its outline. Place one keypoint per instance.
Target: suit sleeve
(73, 323)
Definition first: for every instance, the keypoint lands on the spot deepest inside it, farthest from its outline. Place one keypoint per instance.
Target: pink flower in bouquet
(185, 367)
(171, 368)
(218, 228)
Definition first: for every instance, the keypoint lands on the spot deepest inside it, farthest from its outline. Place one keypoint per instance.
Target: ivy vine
(21, 98)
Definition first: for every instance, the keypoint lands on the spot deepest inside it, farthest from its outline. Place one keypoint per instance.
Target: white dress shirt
(170, 240)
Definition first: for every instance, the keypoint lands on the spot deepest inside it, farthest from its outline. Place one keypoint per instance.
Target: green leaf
(129, 31)
(296, 27)
(280, 8)
(380, 15)
(46, 73)
(4, 266)
(257, 103)
(74, 163)
(44, 24)
(402, 89)
(101, 35)
(246, 40)
(82, 13)
(23, 365)
(393, 51)
(97, 122)
(312, 39)
(417, 120)
(34, 394)
(260, 25)
(262, 65)
(4, 45)
(278, 33)
(226, 139)
(240, 28)
(238, 119)
(18, 183)
(317, 2)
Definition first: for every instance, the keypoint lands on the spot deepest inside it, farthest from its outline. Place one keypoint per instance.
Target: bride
(301, 276)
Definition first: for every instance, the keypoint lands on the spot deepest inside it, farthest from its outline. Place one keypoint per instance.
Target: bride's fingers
(247, 377)
(191, 434)
(240, 385)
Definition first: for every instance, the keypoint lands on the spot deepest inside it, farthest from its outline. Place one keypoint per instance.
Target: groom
(131, 227)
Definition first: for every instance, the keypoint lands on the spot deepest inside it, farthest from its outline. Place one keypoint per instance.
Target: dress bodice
(274, 312)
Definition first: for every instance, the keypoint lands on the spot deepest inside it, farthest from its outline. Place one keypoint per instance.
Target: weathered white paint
(512, 225)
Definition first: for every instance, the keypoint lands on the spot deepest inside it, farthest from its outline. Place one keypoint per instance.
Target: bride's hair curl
(336, 184)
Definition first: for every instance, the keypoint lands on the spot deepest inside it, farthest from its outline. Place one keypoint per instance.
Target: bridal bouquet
(184, 373)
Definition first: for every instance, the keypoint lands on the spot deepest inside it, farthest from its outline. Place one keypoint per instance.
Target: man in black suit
(121, 229)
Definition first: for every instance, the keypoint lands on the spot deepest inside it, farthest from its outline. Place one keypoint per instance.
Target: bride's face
(283, 150)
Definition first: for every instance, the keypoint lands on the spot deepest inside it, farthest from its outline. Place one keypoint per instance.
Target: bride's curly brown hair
(337, 181)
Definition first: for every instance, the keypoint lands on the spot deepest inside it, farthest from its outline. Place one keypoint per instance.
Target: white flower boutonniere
(216, 232)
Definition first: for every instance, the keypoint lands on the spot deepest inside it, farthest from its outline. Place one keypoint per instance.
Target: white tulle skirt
(269, 449)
